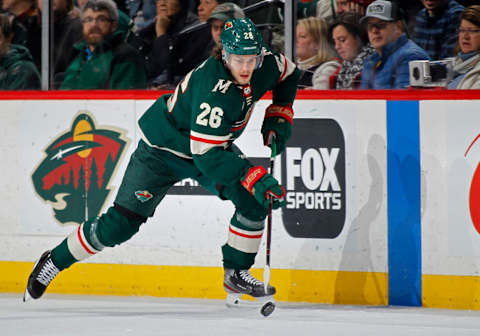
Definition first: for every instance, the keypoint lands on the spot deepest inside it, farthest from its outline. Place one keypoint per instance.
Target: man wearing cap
(387, 67)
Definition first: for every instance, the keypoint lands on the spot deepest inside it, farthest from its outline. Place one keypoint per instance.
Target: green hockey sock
(244, 237)
(91, 237)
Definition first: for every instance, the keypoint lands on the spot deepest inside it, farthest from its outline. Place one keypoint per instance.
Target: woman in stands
(467, 62)
(351, 43)
(315, 57)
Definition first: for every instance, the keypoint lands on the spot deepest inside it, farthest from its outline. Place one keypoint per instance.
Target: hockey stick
(266, 270)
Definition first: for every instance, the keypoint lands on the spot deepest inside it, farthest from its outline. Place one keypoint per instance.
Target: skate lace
(47, 273)
(247, 277)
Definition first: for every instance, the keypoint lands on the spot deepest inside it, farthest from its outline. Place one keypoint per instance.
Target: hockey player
(190, 134)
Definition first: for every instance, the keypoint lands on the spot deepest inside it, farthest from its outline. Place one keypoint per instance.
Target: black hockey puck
(267, 309)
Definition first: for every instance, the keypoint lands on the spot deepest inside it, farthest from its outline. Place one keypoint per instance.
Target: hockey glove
(263, 186)
(277, 126)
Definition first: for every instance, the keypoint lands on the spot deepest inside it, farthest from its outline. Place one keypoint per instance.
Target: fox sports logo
(313, 174)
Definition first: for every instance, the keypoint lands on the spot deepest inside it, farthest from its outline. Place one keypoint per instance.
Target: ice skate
(43, 273)
(239, 282)
(242, 282)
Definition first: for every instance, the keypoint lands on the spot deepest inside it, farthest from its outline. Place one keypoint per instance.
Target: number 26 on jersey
(210, 116)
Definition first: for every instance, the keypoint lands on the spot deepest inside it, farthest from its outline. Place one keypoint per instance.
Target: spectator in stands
(125, 23)
(387, 67)
(206, 7)
(435, 27)
(67, 30)
(315, 57)
(356, 6)
(351, 43)
(467, 61)
(220, 14)
(27, 26)
(104, 60)
(17, 71)
(142, 12)
(169, 54)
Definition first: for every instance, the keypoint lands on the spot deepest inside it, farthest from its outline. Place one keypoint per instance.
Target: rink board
(402, 235)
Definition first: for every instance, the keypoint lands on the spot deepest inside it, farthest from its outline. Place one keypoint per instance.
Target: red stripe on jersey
(82, 242)
(216, 142)
(245, 235)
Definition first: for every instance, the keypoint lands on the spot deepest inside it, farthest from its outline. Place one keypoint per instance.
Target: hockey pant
(149, 175)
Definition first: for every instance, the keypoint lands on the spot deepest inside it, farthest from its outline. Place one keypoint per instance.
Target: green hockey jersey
(208, 111)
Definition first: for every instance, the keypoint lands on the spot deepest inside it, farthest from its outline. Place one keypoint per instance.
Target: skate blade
(266, 304)
(27, 296)
(235, 299)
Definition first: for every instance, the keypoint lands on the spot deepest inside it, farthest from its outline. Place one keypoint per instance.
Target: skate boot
(43, 273)
(242, 282)
(238, 282)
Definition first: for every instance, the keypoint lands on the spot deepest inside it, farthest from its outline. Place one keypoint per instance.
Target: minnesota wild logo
(143, 195)
(75, 174)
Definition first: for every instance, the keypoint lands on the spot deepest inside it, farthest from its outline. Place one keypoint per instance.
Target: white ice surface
(99, 316)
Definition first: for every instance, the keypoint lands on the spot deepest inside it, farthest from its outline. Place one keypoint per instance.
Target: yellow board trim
(451, 291)
(201, 282)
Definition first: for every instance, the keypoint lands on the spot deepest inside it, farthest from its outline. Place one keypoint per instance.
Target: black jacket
(170, 57)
